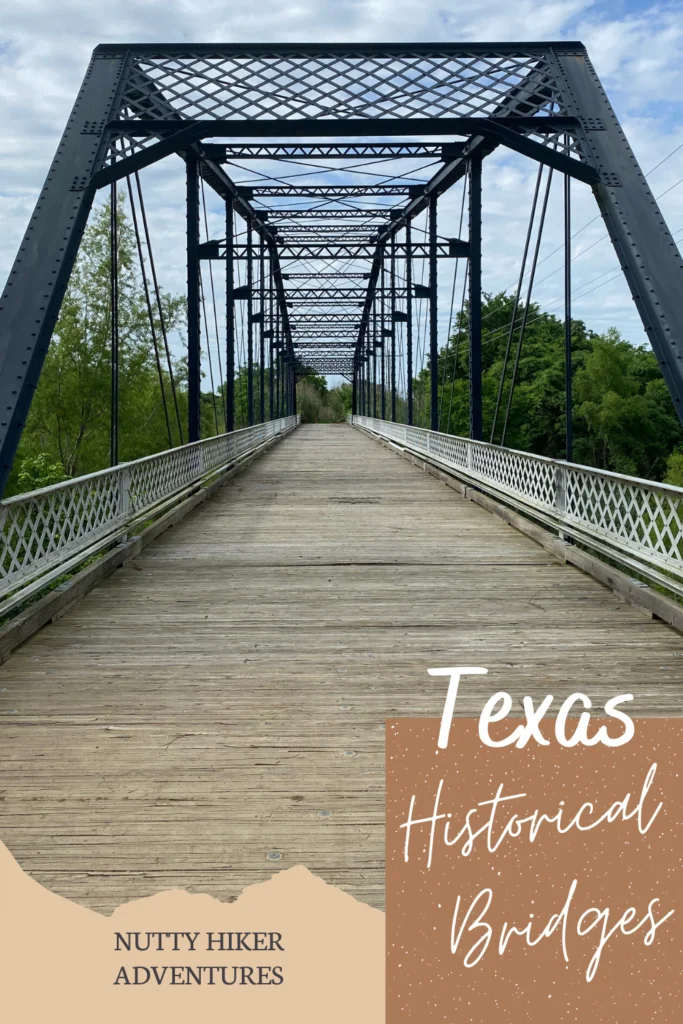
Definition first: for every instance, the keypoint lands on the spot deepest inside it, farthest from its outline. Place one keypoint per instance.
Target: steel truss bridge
(237, 669)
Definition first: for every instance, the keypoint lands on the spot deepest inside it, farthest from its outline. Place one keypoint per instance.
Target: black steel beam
(433, 318)
(357, 127)
(189, 50)
(649, 257)
(344, 213)
(193, 304)
(336, 251)
(320, 150)
(331, 192)
(341, 366)
(507, 131)
(392, 311)
(444, 178)
(262, 343)
(341, 275)
(271, 334)
(313, 232)
(250, 322)
(409, 314)
(382, 333)
(179, 140)
(543, 154)
(328, 294)
(33, 295)
(229, 317)
(476, 425)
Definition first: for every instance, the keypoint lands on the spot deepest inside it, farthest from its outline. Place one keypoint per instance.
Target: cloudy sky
(636, 48)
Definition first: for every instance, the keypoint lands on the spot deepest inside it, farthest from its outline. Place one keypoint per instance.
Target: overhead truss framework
(334, 258)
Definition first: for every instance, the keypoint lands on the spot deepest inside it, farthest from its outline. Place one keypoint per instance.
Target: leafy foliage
(69, 422)
(317, 404)
(623, 416)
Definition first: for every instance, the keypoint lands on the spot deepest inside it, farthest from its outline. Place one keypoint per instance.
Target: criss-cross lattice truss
(304, 83)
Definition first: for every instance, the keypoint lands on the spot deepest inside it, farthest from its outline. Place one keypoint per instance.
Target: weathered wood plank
(222, 697)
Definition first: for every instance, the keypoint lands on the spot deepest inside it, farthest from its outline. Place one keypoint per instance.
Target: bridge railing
(47, 533)
(635, 523)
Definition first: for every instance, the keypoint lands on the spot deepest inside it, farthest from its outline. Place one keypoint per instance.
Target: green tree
(69, 421)
(623, 416)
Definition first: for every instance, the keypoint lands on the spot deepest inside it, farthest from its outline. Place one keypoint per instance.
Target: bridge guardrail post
(125, 499)
(561, 494)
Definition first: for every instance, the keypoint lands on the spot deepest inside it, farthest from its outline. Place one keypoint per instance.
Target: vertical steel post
(229, 315)
(290, 372)
(293, 413)
(383, 395)
(569, 445)
(114, 301)
(285, 384)
(476, 422)
(374, 355)
(250, 322)
(278, 361)
(393, 328)
(271, 328)
(193, 322)
(409, 314)
(262, 327)
(278, 386)
(433, 319)
(363, 385)
(292, 387)
(354, 387)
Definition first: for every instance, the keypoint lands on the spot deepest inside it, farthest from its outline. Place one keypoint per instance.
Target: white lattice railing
(638, 523)
(45, 533)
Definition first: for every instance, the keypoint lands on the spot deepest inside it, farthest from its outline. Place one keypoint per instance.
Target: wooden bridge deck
(215, 710)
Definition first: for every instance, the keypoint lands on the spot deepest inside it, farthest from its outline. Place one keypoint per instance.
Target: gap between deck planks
(222, 698)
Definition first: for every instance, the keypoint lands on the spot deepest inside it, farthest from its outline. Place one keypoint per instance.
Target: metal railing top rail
(47, 532)
(633, 522)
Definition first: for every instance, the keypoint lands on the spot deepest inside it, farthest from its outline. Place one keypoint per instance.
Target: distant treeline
(623, 415)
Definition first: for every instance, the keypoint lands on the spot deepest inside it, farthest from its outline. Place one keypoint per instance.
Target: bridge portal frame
(140, 103)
